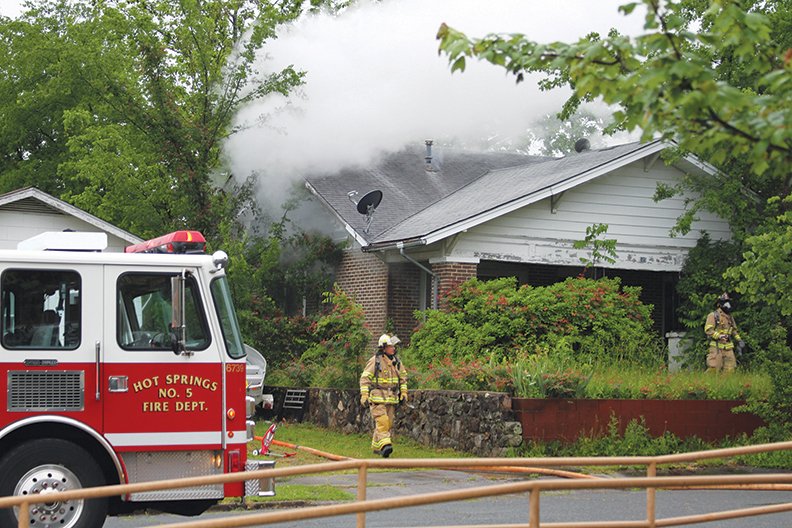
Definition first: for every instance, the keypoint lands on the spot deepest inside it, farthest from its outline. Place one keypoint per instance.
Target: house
(446, 216)
(28, 212)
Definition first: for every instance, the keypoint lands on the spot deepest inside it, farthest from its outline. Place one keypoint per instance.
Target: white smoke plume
(375, 82)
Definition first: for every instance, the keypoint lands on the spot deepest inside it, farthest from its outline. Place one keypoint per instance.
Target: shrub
(462, 375)
(335, 360)
(593, 320)
(777, 361)
(546, 376)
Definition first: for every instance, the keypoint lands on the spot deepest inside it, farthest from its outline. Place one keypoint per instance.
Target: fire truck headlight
(217, 460)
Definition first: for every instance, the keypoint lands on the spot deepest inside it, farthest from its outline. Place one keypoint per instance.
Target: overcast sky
(10, 8)
(375, 82)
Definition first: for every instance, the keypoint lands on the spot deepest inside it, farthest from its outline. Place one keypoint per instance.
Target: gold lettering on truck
(175, 394)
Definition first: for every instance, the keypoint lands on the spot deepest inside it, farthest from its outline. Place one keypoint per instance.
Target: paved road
(601, 505)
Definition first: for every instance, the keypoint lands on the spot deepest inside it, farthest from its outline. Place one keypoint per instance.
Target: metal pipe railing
(651, 482)
(534, 487)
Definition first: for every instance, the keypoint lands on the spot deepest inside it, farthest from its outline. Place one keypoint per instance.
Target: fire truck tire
(48, 466)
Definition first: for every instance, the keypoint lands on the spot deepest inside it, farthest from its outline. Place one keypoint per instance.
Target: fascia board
(565, 185)
(348, 228)
(701, 165)
(76, 212)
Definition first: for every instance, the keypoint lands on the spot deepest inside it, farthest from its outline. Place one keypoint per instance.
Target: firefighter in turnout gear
(724, 337)
(383, 385)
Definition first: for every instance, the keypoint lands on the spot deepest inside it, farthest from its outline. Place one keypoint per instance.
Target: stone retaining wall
(481, 423)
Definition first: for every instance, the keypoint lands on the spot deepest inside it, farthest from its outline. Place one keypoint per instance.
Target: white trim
(452, 260)
(240, 437)
(358, 239)
(556, 189)
(179, 438)
(68, 209)
(349, 229)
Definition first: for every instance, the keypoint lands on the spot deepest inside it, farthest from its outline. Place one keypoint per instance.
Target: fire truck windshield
(227, 316)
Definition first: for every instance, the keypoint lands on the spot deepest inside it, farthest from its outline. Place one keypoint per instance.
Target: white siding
(622, 199)
(16, 226)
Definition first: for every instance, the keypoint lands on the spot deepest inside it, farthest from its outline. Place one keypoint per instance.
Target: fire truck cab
(119, 368)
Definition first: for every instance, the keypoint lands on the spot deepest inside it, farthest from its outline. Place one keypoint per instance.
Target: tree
(120, 107)
(714, 76)
(557, 136)
(664, 81)
(116, 102)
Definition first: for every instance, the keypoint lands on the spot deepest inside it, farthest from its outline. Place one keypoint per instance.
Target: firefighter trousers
(383, 415)
(721, 359)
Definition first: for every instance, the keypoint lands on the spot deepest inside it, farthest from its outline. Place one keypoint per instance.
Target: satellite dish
(369, 202)
(366, 205)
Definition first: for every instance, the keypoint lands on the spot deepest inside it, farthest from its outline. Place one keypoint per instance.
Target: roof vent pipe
(582, 144)
(428, 158)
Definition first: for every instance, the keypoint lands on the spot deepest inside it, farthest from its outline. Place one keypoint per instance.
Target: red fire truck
(119, 368)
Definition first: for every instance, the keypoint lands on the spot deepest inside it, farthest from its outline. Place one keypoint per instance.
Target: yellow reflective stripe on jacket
(386, 381)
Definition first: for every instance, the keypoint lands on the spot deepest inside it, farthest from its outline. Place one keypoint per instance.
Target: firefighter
(722, 331)
(383, 385)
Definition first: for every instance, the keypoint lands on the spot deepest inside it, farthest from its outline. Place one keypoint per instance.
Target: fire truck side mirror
(177, 311)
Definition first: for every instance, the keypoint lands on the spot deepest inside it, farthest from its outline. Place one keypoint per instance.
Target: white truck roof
(65, 241)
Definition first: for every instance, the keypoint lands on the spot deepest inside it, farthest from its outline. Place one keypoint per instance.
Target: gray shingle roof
(417, 202)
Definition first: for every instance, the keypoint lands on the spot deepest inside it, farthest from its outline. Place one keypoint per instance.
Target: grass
(307, 493)
(635, 382)
(348, 445)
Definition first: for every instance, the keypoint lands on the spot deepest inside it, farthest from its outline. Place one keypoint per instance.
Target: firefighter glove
(740, 347)
(403, 396)
(364, 398)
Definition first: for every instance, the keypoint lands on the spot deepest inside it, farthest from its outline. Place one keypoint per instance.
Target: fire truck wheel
(49, 466)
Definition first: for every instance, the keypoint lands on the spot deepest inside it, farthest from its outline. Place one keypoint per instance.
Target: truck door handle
(118, 383)
(98, 348)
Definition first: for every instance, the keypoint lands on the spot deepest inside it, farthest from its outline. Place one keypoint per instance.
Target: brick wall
(404, 282)
(449, 275)
(364, 277)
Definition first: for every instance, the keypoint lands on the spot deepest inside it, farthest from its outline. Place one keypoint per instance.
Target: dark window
(41, 309)
(145, 313)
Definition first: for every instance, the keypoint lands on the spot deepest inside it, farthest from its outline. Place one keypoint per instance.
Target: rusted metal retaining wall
(566, 420)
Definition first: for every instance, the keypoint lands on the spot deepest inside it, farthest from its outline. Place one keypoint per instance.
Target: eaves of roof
(68, 209)
(506, 190)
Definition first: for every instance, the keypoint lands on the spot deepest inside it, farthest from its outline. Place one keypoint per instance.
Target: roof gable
(33, 200)
(428, 212)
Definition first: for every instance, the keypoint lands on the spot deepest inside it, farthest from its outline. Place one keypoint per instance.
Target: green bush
(462, 375)
(593, 320)
(550, 376)
(336, 359)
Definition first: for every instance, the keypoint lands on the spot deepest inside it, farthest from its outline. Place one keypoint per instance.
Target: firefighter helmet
(387, 339)
(724, 302)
